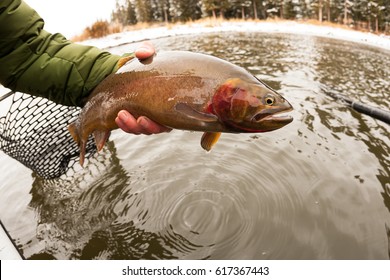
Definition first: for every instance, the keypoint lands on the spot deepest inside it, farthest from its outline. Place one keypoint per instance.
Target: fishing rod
(372, 111)
(8, 249)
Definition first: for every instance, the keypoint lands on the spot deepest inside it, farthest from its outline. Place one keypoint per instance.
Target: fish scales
(182, 90)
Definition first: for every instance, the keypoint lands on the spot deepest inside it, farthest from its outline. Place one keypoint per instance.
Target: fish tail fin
(209, 139)
(100, 138)
(74, 131)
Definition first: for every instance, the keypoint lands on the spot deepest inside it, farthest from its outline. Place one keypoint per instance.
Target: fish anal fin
(195, 114)
(83, 145)
(209, 139)
(100, 138)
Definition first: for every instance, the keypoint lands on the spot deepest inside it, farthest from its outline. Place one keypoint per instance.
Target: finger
(145, 50)
(127, 122)
(151, 127)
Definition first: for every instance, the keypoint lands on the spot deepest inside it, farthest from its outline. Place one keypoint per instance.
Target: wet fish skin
(182, 90)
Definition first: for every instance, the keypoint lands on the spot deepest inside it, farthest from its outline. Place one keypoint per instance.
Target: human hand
(142, 125)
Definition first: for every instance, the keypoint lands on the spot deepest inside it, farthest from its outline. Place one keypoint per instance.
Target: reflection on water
(317, 189)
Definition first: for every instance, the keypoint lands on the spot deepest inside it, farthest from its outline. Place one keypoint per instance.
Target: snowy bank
(290, 27)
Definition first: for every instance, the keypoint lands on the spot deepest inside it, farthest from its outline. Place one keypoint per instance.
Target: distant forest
(373, 15)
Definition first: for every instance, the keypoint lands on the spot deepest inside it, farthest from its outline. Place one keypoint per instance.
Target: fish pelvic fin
(209, 139)
(100, 138)
(74, 131)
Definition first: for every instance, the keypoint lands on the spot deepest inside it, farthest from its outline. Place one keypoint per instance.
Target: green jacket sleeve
(47, 65)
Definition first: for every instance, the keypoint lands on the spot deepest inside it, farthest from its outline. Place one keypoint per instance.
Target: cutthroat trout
(182, 90)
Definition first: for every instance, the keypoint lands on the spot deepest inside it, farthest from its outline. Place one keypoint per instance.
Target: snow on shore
(290, 27)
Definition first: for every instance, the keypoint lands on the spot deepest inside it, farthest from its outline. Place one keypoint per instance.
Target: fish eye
(269, 100)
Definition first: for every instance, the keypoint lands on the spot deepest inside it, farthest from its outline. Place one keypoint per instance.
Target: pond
(318, 188)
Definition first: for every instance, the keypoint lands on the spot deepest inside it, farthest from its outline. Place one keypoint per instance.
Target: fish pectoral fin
(209, 139)
(100, 138)
(194, 114)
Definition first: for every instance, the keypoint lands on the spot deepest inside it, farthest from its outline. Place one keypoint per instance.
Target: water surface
(318, 188)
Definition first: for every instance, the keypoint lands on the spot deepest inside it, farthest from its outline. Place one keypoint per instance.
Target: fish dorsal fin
(194, 114)
(209, 139)
(122, 61)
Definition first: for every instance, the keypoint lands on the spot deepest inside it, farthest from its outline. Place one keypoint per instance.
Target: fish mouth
(274, 117)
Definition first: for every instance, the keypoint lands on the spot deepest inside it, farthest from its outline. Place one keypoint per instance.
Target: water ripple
(316, 189)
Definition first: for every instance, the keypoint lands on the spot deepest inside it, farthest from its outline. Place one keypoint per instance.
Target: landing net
(34, 132)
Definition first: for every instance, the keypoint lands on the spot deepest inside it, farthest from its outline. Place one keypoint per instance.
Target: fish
(182, 90)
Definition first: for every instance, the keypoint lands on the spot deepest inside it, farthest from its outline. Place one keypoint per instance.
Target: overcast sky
(71, 17)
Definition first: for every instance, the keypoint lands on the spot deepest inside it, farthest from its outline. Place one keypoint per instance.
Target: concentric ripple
(218, 201)
(315, 189)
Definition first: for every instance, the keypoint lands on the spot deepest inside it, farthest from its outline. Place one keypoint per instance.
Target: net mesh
(34, 132)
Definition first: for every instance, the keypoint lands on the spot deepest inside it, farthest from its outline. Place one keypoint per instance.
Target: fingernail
(123, 115)
(143, 49)
(143, 122)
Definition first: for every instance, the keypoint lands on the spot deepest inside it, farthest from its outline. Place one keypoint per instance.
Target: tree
(242, 5)
(371, 14)
(288, 11)
(131, 16)
(144, 10)
(184, 10)
(210, 6)
(360, 13)
(347, 10)
(213, 6)
(124, 13)
(376, 10)
(328, 4)
(160, 10)
(274, 8)
(259, 9)
(118, 14)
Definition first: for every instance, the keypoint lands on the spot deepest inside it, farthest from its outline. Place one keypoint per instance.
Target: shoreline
(279, 27)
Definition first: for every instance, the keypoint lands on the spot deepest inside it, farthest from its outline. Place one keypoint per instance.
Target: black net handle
(8, 94)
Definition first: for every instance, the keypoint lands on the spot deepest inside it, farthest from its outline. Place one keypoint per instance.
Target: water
(318, 188)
